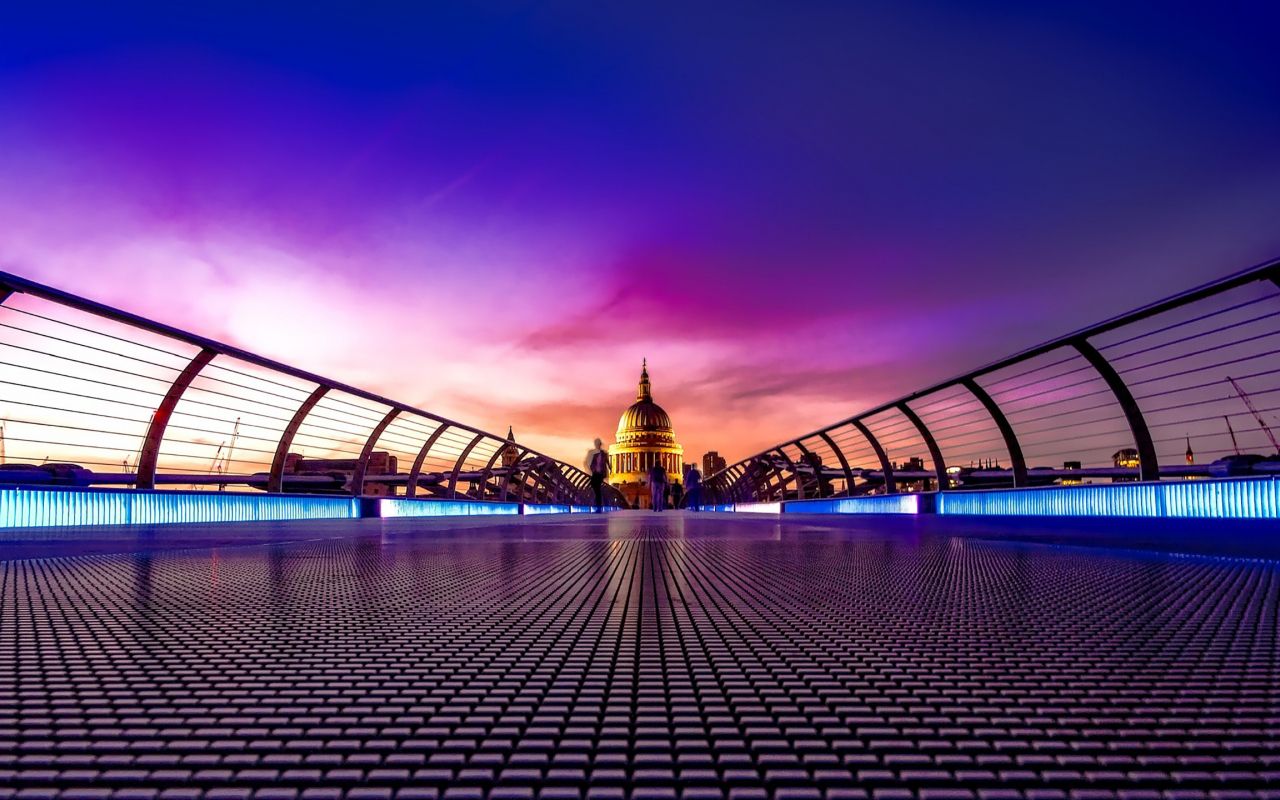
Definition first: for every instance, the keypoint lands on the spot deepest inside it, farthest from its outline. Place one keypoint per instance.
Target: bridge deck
(637, 655)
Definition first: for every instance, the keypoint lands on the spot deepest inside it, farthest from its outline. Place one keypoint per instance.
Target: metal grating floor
(642, 657)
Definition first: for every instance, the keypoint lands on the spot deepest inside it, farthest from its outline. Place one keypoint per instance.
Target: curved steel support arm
(466, 451)
(886, 466)
(539, 492)
(1148, 467)
(146, 478)
(844, 462)
(275, 480)
(935, 453)
(795, 475)
(511, 470)
(760, 480)
(411, 488)
(735, 488)
(806, 456)
(362, 466)
(1016, 460)
(488, 468)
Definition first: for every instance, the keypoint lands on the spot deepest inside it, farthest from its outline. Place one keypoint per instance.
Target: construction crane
(214, 467)
(1249, 404)
(1234, 443)
(226, 462)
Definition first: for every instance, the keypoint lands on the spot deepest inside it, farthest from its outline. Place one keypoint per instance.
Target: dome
(644, 416)
(646, 440)
(645, 420)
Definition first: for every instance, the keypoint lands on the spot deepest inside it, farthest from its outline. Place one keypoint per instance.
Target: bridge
(1146, 397)
(1050, 578)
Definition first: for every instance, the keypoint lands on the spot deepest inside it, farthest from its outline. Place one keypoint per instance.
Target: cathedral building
(645, 437)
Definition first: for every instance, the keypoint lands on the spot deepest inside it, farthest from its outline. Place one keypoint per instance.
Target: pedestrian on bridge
(597, 464)
(658, 487)
(677, 494)
(693, 488)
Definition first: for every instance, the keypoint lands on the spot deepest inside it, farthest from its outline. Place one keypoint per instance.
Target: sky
(494, 210)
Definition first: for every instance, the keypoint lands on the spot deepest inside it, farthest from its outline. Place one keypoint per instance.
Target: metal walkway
(642, 656)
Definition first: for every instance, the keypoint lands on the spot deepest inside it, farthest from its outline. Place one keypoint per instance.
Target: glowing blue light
(45, 507)
(392, 507)
(1241, 498)
(758, 508)
(545, 508)
(870, 504)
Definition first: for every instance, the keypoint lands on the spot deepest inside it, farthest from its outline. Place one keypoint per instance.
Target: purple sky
(793, 210)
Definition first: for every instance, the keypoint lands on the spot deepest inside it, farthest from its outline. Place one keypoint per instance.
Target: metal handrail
(739, 480)
(560, 483)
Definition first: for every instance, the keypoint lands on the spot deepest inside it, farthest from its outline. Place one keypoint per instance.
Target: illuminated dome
(644, 416)
(645, 437)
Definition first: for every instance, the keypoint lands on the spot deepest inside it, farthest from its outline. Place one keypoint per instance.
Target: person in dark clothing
(677, 494)
(597, 464)
(658, 487)
(693, 489)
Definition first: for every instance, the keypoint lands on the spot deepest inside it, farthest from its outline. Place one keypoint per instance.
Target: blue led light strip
(1239, 498)
(871, 504)
(32, 508)
(392, 507)
(544, 508)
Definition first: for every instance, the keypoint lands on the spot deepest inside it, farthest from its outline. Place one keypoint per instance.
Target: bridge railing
(1179, 389)
(92, 395)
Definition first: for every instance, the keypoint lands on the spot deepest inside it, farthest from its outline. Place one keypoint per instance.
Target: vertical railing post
(1017, 462)
(150, 454)
(453, 477)
(411, 487)
(844, 463)
(782, 480)
(488, 467)
(1148, 466)
(735, 486)
(760, 481)
(886, 466)
(362, 466)
(275, 479)
(935, 453)
(515, 467)
(541, 490)
(795, 473)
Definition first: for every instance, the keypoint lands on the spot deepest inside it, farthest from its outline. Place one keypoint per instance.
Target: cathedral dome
(644, 415)
(645, 439)
(645, 419)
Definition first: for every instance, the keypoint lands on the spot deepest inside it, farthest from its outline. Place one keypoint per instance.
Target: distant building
(1071, 481)
(645, 437)
(380, 463)
(510, 452)
(1128, 457)
(712, 463)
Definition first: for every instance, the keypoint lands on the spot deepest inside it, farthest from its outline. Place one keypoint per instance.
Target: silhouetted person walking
(597, 464)
(658, 487)
(693, 489)
(677, 494)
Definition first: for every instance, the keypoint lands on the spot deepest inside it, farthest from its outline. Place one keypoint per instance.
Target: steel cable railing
(1181, 389)
(94, 396)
